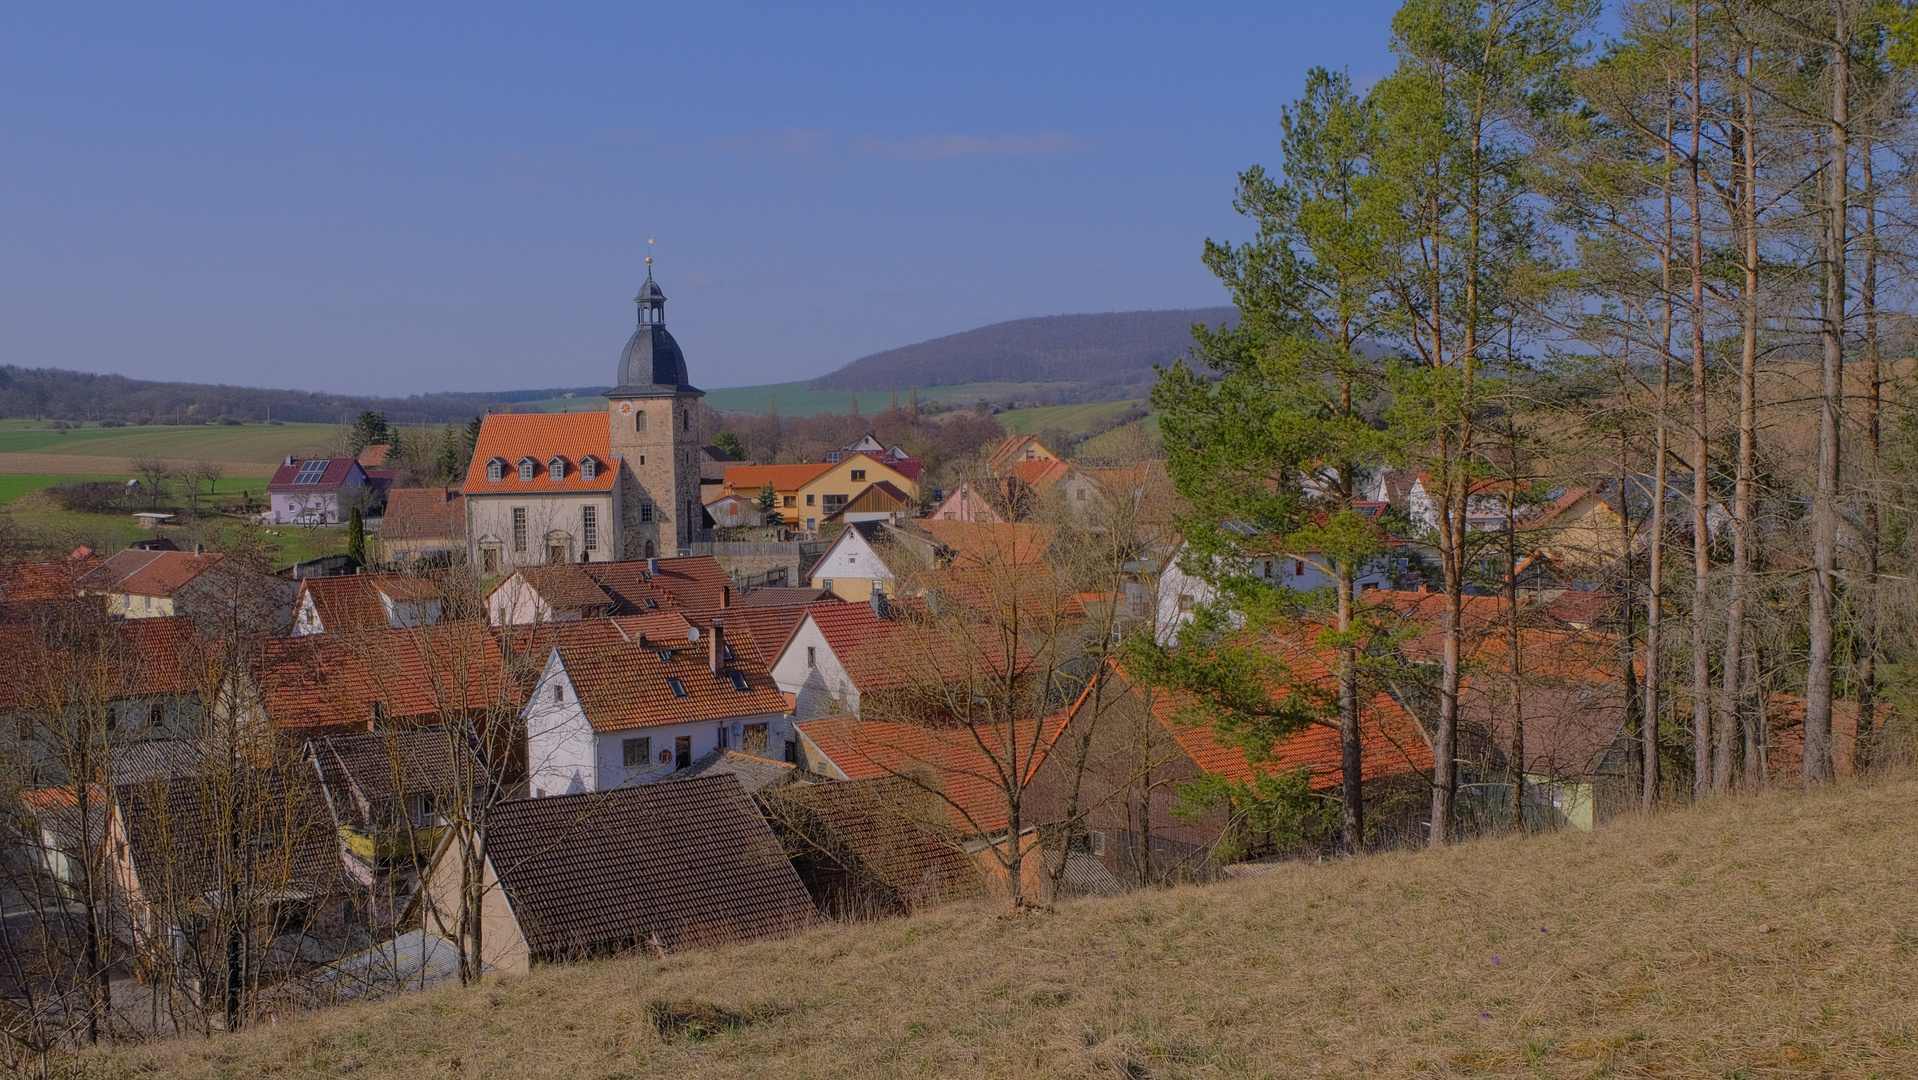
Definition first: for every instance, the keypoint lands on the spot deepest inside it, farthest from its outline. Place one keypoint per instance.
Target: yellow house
(1015, 449)
(809, 493)
(1580, 527)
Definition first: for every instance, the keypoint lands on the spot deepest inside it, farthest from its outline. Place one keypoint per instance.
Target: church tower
(651, 413)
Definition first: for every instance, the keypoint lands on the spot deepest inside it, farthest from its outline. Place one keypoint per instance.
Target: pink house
(307, 491)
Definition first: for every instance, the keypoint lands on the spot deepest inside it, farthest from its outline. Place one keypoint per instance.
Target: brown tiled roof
(566, 587)
(1039, 474)
(850, 836)
(693, 582)
(424, 514)
(970, 767)
(374, 455)
(783, 596)
(753, 773)
(368, 773)
(624, 686)
(419, 674)
(178, 837)
(688, 864)
(146, 573)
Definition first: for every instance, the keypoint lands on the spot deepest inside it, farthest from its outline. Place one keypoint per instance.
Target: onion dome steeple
(652, 365)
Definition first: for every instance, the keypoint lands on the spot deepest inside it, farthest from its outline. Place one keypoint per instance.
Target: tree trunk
(1818, 766)
(1747, 152)
(1711, 774)
(1351, 749)
(1874, 405)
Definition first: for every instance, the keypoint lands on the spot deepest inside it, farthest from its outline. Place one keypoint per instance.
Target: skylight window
(665, 655)
(739, 680)
(678, 688)
(311, 472)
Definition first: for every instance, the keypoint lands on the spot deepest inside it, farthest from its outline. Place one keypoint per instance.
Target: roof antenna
(649, 260)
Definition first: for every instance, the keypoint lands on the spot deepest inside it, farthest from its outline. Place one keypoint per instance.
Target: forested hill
(1103, 357)
(53, 394)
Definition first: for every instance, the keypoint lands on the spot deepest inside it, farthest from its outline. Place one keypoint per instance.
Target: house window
(809, 500)
(589, 527)
(719, 738)
(489, 560)
(1185, 601)
(636, 753)
(559, 695)
(739, 680)
(1266, 573)
(519, 528)
(678, 688)
(789, 501)
(588, 468)
(526, 470)
(154, 716)
(812, 656)
(812, 523)
(683, 751)
(420, 811)
(645, 510)
(1298, 567)
(859, 474)
(639, 420)
(753, 737)
(556, 469)
(826, 583)
(495, 469)
(1031, 453)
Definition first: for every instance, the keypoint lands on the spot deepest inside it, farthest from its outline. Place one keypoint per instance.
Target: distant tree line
(54, 394)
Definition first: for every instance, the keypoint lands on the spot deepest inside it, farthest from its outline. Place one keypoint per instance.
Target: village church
(591, 487)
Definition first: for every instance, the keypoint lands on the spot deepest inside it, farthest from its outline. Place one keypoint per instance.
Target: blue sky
(397, 198)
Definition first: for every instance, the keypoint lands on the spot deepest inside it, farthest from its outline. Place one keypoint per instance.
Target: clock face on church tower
(625, 408)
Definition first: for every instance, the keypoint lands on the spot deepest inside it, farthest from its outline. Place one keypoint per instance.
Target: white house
(1182, 593)
(605, 716)
(851, 567)
(358, 602)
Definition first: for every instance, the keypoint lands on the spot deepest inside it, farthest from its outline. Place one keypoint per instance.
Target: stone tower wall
(659, 466)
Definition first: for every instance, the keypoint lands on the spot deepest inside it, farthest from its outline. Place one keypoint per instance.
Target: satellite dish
(692, 633)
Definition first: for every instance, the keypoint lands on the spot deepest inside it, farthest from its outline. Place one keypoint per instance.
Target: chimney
(716, 646)
(652, 567)
(725, 596)
(880, 610)
(289, 459)
(199, 549)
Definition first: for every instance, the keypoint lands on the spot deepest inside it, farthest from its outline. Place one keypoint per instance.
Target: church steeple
(651, 301)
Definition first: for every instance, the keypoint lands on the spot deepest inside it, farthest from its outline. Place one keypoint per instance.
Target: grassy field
(1072, 418)
(258, 444)
(1765, 937)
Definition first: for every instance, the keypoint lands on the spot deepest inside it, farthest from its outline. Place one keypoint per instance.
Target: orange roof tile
(142, 658)
(980, 543)
(624, 686)
(542, 436)
(749, 478)
(146, 573)
(971, 767)
(1040, 473)
(419, 674)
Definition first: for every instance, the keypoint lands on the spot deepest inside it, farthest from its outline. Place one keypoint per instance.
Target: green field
(1071, 418)
(261, 443)
(14, 485)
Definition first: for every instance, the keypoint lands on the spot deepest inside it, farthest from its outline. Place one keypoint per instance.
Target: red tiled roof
(693, 582)
(542, 437)
(624, 686)
(1039, 473)
(374, 455)
(337, 470)
(751, 478)
(534, 644)
(140, 658)
(424, 514)
(971, 767)
(566, 587)
(33, 582)
(419, 674)
(768, 625)
(350, 603)
(981, 543)
(894, 653)
(146, 573)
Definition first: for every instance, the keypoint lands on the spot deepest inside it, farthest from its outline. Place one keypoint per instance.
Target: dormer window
(526, 470)
(556, 469)
(495, 470)
(588, 468)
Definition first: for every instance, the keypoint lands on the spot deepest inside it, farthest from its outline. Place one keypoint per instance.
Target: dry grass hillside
(1766, 937)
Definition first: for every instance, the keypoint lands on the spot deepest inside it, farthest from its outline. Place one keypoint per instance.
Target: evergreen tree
(356, 536)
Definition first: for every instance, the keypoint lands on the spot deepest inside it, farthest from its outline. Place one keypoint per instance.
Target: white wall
(822, 689)
(852, 566)
(517, 603)
(1300, 574)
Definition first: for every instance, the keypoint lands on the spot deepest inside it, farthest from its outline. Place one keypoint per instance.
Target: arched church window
(639, 420)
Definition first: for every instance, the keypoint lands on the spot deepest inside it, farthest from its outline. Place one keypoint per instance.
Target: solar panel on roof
(311, 472)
